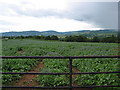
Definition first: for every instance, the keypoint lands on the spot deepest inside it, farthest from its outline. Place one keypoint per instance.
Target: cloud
(104, 14)
(24, 6)
(60, 15)
(2, 22)
(46, 23)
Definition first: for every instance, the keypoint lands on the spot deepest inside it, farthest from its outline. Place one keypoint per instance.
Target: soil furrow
(28, 80)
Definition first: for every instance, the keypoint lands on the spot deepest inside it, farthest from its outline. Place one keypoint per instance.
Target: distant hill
(88, 33)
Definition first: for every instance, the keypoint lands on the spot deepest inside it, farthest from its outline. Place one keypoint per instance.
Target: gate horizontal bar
(97, 72)
(96, 86)
(34, 73)
(58, 73)
(62, 87)
(57, 57)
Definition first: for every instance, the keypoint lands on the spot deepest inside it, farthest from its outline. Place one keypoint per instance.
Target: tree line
(110, 39)
(74, 38)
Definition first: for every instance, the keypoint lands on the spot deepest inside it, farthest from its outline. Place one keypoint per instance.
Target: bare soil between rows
(29, 80)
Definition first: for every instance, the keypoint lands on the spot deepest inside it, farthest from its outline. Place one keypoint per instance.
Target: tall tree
(53, 37)
(95, 39)
(47, 38)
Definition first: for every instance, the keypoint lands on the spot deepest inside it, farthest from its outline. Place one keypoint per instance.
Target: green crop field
(55, 48)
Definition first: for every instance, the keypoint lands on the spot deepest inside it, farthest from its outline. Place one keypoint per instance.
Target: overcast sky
(58, 15)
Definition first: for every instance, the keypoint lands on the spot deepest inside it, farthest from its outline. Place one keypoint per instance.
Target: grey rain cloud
(104, 14)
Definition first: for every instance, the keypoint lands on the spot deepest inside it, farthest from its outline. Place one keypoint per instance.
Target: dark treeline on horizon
(74, 38)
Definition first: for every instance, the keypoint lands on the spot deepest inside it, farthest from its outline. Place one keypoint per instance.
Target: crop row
(14, 65)
(47, 48)
(97, 65)
(54, 66)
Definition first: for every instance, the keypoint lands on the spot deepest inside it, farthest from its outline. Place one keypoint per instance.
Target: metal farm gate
(70, 71)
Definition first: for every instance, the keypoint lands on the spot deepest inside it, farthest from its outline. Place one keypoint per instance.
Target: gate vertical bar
(70, 85)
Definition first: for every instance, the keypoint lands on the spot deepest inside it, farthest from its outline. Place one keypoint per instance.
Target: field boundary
(70, 70)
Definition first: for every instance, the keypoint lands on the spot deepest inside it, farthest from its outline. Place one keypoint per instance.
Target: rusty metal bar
(70, 73)
(57, 57)
(70, 63)
(59, 73)
(34, 73)
(96, 86)
(62, 87)
(97, 72)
